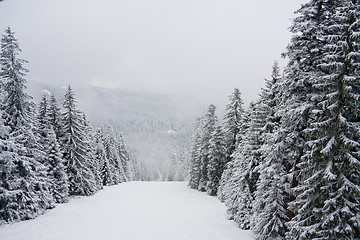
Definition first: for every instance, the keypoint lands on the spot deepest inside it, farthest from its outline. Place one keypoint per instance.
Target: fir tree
(25, 190)
(240, 185)
(53, 158)
(81, 178)
(8, 192)
(124, 157)
(217, 158)
(272, 188)
(93, 164)
(111, 153)
(102, 161)
(195, 161)
(327, 197)
(210, 121)
(233, 121)
(234, 129)
(55, 117)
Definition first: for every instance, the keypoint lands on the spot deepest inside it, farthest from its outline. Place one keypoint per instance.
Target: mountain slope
(157, 127)
(133, 211)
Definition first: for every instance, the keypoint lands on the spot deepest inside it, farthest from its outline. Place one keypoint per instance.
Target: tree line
(48, 154)
(288, 167)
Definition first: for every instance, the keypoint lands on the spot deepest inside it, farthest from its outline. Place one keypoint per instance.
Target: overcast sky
(196, 47)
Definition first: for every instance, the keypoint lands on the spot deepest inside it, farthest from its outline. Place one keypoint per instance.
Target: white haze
(194, 47)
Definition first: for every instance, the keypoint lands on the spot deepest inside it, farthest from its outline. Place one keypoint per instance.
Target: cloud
(202, 47)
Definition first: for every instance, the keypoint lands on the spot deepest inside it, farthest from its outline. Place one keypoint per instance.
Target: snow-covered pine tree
(195, 161)
(233, 121)
(217, 160)
(234, 129)
(111, 153)
(89, 141)
(26, 193)
(73, 142)
(123, 155)
(305, 54)
(240, 185)
(210, 122)
(327, 203)
(101, 158)
(8, 192)
(55, 117)
(272, 189)
(223, 189)
(53, 157)
(295, 90)
(239, 197)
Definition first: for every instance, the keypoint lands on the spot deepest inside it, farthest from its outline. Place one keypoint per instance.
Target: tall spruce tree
(217, 160)
(8, 192)
(233, 121)
(25, 190)
(123, 155)
(102, 161)
(272, 188)
(53, 158)
(74, 146)
(195, 161)
(89, 142)
(240, 184)
(111, 153)
(210, 121)
(55, 117)
(208, 153)
(327, 197)
(234, 129)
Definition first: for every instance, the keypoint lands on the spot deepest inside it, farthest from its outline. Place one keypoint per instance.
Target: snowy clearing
(133, 211)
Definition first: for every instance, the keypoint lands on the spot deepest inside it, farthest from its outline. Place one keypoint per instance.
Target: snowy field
(133, 211)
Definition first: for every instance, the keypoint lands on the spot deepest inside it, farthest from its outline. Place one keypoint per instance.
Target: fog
(194, 47)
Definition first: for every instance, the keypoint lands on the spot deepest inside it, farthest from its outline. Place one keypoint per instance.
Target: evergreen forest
(288, 166)
(47, 153)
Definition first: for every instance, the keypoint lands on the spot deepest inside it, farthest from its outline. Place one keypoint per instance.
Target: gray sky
(196, 47)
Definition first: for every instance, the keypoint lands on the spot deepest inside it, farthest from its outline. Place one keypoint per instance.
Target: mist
(199, 48)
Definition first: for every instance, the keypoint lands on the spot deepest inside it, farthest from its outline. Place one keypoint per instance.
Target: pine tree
(81, 178)
(234, 128)
(217, 159)
(239, 198)
(89, 142)
(233, 121)
(55, 117)
(240, 184)
(210, 121)
(102, 161)
(223, 189)
(25, 190)
(53, 158)
(124, 157)
(327, 197)
(111, 152)
(8, 192)
(195, 162)
(272, 189)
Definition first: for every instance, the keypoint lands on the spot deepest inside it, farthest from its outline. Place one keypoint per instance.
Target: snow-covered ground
(133, 211)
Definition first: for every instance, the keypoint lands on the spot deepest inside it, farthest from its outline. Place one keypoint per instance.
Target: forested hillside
(48, 153)
(288, 167)
(157, 127)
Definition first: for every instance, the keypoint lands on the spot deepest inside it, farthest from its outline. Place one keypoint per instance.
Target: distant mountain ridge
(157, 127)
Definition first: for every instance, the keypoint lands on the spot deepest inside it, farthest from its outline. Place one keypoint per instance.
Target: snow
(133, 211)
